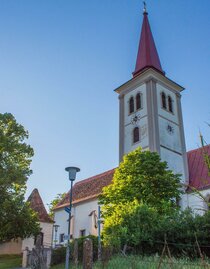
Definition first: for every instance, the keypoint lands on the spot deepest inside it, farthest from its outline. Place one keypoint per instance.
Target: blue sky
(61, 60)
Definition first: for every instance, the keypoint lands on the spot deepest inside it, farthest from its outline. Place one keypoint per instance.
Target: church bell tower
(150, 108)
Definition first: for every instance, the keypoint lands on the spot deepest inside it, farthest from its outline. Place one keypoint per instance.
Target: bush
(143, 230)
(59, 254)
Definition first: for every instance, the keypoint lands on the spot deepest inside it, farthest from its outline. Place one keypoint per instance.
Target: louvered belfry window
(138, 101)
(131, 105)
(163, 97)
(170, 104)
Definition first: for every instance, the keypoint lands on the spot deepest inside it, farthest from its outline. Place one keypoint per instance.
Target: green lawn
(136, 262)
(10, 261)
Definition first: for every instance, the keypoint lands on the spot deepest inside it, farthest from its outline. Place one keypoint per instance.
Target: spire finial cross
(145, 8)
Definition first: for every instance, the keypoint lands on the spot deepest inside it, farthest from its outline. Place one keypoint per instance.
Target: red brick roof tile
(91, 188)
(88, 188)
(199, 176)
(37, 205)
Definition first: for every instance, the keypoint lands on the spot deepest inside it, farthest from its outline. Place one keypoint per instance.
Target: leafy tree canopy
(54, 202)
(17, 219)
(143, 177)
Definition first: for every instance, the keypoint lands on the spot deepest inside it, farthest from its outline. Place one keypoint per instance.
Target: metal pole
(99, 233)
(69, 227)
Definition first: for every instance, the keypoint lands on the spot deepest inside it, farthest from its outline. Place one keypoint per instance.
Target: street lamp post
(72, 176)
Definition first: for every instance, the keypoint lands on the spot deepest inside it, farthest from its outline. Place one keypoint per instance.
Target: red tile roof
(147, 56)
(199, 177)
(37, 205)
(88, 189)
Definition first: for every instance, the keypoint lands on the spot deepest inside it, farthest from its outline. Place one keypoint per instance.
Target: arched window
(170, 104)
(135, 134)
(131, 105)
(138, 101)
(163, 97)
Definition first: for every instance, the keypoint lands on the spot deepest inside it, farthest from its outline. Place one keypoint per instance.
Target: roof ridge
(192, 150)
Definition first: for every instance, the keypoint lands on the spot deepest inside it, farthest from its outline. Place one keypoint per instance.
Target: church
(150, 116)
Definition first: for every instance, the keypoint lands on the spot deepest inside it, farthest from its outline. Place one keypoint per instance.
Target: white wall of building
(162, 112)
(46, 229)
(143, 112)
(194, 201)
(171, 146)
(80, 219)
(142, 122)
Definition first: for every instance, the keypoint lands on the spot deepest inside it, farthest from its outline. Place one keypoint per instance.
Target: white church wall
(144, 142)
(141, 123)
(169, 139)
(142, 112)
(82, 219)
(194, 201)
(60, 219)
(174, 160)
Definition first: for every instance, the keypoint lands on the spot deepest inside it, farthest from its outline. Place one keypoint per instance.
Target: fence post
(75, 252)
(49, 255)
(25, 258)
(88, 254)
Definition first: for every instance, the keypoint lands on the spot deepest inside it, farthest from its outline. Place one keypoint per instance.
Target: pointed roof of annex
(37, 205)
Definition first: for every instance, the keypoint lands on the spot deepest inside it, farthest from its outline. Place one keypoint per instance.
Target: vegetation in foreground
(10, 261)
(140, 210)
(138, 262)
(15, 160)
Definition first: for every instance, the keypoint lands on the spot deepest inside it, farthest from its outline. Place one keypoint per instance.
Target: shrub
(59, 254)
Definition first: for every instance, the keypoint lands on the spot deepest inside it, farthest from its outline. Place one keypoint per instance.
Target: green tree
(17, 218)
(143, 177)
(143, 188)
(54, 203)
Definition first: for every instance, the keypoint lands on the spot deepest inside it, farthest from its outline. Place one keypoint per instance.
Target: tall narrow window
(170, 104)
(138, 101)
(131, 105)
(82, 233)
(163, 97)
(61, 238)
(135, 134)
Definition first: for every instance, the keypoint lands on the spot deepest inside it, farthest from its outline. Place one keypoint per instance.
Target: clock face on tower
(135, 119)
(170, 129)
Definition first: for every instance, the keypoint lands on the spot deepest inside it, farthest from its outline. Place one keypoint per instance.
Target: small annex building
(46, 224)
(150, 117)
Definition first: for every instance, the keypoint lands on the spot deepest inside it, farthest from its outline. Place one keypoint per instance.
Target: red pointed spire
(147, 53)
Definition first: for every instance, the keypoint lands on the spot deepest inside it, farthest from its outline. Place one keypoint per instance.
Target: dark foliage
(59, 254)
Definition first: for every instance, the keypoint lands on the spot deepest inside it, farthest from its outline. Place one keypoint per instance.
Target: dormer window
(138, 101)
(170, 104)
(136, 135)
(131, 105)
(163, 99)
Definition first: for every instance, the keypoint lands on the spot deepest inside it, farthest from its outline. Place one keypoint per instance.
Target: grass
(10, 261)
(136, 262)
